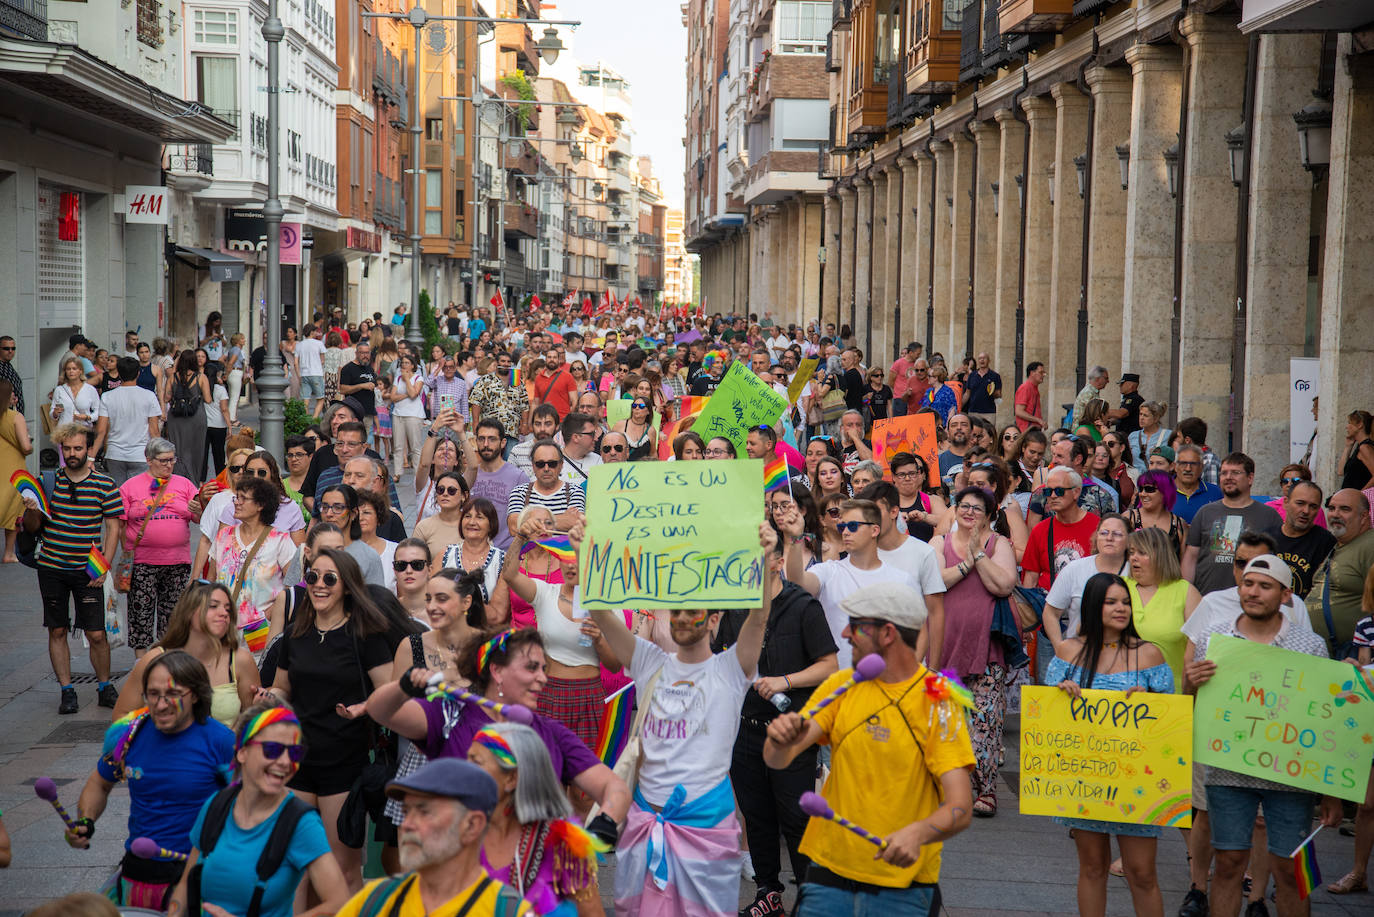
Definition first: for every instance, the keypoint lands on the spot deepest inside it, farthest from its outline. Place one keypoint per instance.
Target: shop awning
(222, 267)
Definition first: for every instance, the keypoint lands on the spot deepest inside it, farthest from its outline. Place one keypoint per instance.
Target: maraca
(46, 789)
(146, 848)
(816, 806)
(869, 667)
(516, 713)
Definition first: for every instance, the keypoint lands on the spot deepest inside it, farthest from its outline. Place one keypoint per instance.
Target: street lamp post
(272, 383)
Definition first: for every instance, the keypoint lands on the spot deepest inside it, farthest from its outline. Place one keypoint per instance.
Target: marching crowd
(317, 667)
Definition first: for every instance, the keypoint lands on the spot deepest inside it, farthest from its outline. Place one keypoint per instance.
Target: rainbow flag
(515, 378)
(96, 564)
(1305, 866)
(775, 475)
(255, 635)
(693, 404)
(26, 483)
(616, 723)
(560, 547)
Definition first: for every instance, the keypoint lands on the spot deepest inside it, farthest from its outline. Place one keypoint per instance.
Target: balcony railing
(388, 203)
(1034, 15)
(193, 158)
(389, 77)
(25, 17)
(228, 116)
(150, 23)
(520, 219)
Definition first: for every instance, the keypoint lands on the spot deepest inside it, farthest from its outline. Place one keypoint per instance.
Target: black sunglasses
(613, 447)
(313, 576)
(400, 565)
(448, 491)
(235, 469)
(547, 463)
(273, 750)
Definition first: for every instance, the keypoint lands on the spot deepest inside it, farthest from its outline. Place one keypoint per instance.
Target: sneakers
(108, 696)
(68, 703)
(1194, 904)
(767, 903)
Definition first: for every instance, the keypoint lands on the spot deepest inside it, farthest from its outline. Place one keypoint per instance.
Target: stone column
(1281, 224)
(985, 228)
(944, 189)
(960, 296)
(863, 260)
(830, 241)
(1348, 272)
(1111, 89)
(1147, 287)
(895, 270)
(758, 255)
(809, 240)
(1041, 114)
(911, 294)
(1217, 64)
(879, 305)
(788, 276)
(919, 251)
(1066, 280)
(845, 244)
(1010, 154)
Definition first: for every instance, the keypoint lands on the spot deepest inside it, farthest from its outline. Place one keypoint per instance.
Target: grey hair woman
(158, 447)
(865, 473)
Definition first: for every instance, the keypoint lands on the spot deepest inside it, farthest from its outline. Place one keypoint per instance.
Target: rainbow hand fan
(26, 483)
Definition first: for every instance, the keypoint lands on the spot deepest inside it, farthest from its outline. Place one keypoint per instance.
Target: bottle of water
(781, 701)
(585, 640)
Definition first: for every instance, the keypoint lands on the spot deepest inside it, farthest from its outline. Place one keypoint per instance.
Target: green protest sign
(1295, 719)
(673, 535)
(742, 400)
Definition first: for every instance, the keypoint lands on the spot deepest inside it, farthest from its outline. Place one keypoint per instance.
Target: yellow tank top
(1160, 620)
(224, 700)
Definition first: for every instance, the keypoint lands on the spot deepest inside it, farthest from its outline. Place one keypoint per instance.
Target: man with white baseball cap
(899, 767)
(1234, 799)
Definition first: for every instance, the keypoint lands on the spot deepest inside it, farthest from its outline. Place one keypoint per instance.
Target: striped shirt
(79, 509)
(560, 501)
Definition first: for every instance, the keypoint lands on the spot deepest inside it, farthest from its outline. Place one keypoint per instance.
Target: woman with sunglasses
(283, 613)
(410, 564)
(781, 503)
(829, 509)
(1295, 473)
(443, 452)
(334, 654)
(688, 447)
(1109, 655)
(1120, 473)
(1155, 495)
(202, 624)
(1006, 440)
(476, 553)
(446, 526)
(253, 560)
(991, 475)
(877, 397)
(289, 519)
(639, 429)
(372, 509)
(978, 568)
(530, 844)
(339, 507)
(267, 751)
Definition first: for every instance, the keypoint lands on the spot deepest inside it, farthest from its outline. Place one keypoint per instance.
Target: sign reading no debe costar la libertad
(664, 535)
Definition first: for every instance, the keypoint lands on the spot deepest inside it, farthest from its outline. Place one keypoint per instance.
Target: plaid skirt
(577, 704)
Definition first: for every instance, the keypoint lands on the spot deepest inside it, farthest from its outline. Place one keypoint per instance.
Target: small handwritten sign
(673, 535)
(805, 371)
(914, 433)
(1107, 757)
(1295, 719)
(742, 400)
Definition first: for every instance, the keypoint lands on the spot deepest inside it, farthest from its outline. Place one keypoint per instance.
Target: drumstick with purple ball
(46, 789)
(146, 848)
(868, 668)
(516, 713)
(816, 806)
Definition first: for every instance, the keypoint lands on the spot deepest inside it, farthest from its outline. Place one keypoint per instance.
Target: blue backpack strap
(372, 905)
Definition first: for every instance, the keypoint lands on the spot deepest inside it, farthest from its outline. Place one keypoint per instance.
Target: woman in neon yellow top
(1161, 597)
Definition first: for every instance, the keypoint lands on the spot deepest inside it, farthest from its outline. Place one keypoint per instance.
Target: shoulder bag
(124, 573)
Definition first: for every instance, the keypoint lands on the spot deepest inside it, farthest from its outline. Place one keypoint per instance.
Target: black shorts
(328, 779)
(60, 589)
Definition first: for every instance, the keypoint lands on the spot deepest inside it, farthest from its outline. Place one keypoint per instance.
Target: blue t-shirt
(170, 777)
(230, 875)
(1186, 508)
(476, 327)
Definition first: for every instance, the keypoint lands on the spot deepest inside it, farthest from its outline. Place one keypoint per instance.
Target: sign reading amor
(663, 535)
(1295, 719)
(1106, 756)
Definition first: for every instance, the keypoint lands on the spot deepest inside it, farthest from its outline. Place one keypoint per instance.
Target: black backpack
(269, 861)
(186, 400)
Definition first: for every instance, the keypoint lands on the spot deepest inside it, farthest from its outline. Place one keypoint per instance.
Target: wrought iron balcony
(1035, 15)
(28, 18)
(190, 158)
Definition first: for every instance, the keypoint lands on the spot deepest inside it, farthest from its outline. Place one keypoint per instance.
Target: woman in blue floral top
(1109, 655)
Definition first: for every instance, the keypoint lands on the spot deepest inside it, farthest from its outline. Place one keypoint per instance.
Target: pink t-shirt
(167, 539)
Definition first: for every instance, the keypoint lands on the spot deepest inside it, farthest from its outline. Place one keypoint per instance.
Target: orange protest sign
(914, 433)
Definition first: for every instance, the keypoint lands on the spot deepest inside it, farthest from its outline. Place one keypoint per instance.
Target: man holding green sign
(1234, 793)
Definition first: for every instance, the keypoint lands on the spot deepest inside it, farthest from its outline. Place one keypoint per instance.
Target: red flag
(534, 301)
(638, 304)
(587, 306)
(498, 301)
(570, 299)
(605, 305)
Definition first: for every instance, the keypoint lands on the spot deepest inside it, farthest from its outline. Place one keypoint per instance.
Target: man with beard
(1302, 543)
(1213, 533)
(84, 502)
(543, 425)
(959, 428)
(679, 852)
(447, 804)
(1338, 587)
(491, 476)
(493, 396)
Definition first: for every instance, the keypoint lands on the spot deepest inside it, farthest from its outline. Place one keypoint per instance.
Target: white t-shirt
(919, 561)
(310, 356)
(1067, 591)
(409, 407)
(129, 408)
(839, 580)
(570, 474)
(689, 731)
(214, 417)
(1216, 607)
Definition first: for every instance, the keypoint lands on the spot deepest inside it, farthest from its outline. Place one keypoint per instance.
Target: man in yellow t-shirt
(446, 803)
(899, 768)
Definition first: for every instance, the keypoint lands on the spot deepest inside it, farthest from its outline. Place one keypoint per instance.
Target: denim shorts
(824, 901)
(312, 386)
(1232, 809)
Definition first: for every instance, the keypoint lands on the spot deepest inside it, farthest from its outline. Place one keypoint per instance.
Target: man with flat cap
(447, 804)
(901, 757)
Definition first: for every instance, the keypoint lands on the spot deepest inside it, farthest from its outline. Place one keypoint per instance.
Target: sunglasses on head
(547, 463)
(851, 526)
(400, 565)
(273, 750)
(314, 576)
(447, 491)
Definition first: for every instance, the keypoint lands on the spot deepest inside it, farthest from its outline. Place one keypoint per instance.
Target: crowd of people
(292, 615)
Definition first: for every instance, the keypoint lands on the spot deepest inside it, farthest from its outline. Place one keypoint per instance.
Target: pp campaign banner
(742, 400)
(664, 535)
(1107, 757)
(1295, 719)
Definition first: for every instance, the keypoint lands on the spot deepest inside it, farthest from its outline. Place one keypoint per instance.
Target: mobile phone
(448, 402)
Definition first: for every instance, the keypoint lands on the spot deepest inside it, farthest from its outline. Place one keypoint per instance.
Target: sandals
(985, 806)
(1117, 869)
(1350, 882)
